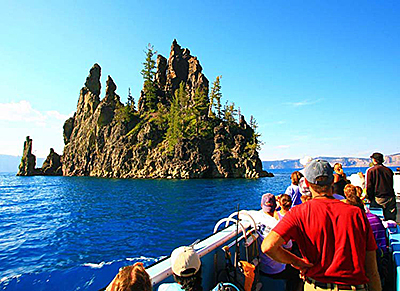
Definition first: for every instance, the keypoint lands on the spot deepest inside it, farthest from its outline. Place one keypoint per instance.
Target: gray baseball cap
(316, 169)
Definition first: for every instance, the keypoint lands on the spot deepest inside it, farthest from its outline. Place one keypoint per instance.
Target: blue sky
(321, 78)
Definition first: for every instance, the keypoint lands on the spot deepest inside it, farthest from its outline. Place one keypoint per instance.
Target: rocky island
(179, 128)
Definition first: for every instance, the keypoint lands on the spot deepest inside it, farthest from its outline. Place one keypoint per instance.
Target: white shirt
(265, 223)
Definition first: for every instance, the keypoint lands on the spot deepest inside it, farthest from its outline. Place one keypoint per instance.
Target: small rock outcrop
(28, 160)
(51, 166)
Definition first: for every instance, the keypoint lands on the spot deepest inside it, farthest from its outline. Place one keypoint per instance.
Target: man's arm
(371, 270)
(272, 246)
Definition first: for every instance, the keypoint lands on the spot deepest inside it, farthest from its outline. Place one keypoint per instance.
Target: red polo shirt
(332, 235)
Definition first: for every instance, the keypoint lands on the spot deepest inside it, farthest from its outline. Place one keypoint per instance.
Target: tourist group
(319, 235)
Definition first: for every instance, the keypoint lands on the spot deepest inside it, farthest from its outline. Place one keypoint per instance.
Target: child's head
(285, 201)
(350, 190)
(295, 177)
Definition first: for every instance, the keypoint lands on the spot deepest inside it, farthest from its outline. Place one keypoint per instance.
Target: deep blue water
(74, 233)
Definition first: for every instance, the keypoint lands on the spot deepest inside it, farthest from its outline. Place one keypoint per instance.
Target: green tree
(131, 100)
(198, 113)
(148, 73)
(255, 142)
(176, 117)
(215, 97)
(253, 123)
(229, 112)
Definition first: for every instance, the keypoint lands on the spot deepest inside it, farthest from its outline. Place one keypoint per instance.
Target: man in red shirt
(335, 238)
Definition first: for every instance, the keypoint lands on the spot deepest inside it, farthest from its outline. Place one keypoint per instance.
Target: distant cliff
(390, 161)
(178, 130)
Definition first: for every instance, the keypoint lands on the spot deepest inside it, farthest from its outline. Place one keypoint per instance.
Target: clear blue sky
(321, 78)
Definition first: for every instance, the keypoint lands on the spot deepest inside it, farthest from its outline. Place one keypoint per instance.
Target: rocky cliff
(51, 166)
(170, 134)
(390, 161)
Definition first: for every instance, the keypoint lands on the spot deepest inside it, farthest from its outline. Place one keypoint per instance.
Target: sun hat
(316, 169)
(185, 262)
(377, 157)
(268, 202)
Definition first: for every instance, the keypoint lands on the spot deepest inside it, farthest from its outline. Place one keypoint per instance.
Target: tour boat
(222, 251)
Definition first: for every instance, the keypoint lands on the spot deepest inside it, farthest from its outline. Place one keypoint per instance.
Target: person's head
(286, 202)
(304, 187)
(131, 278)
(354, 200)
(377, 158)
(268, 203)
(295, 177)
(350, 190)
(338, 168)
(319, 175)
(186, 268)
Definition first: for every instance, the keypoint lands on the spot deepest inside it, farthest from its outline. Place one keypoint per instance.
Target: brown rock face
(161, 77)
(95, 133)
(51, 166)
(28, 160)
(182, 67)
(107, 139)
(93, 80)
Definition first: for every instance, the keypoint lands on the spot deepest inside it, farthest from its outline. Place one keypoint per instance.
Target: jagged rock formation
(51, 166)
(28, 160)
(106, 138)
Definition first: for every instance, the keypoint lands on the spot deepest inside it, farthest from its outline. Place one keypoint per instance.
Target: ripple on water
(70, 233)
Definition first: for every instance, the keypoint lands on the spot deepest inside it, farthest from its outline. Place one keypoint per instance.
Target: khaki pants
(311, 287)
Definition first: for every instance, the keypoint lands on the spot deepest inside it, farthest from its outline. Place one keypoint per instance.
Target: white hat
(185, 262)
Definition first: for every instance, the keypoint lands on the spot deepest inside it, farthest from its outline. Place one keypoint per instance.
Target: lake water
(74, 233)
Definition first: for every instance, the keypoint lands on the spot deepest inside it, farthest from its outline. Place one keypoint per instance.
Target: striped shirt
(378, 229)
